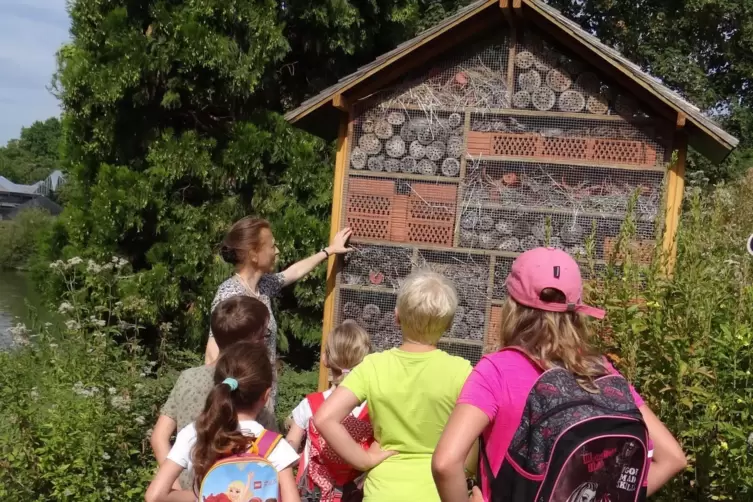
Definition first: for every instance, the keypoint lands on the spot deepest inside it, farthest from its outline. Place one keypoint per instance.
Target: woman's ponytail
(242, 378)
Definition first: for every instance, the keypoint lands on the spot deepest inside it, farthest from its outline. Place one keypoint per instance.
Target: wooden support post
(675, 191)
(341, 161)
(512, 53)
(463, 170)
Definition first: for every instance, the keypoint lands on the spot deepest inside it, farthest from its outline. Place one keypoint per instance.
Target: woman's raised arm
(302, 268)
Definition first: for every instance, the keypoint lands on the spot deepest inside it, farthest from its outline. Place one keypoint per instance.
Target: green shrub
(78, 401)
(20, 235)
(686, 342)
(293, 386)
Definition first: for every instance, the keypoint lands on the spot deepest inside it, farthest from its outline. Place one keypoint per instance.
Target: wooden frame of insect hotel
(503, 128)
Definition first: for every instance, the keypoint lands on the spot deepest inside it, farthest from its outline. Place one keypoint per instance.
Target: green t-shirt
(410, 397)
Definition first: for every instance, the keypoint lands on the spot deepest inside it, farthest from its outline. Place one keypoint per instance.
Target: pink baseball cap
(542, 268)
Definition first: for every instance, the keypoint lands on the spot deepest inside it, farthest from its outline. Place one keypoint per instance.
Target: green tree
(172, 132)
(34, 155)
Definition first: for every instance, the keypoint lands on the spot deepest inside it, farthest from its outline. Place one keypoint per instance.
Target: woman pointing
(250, 247)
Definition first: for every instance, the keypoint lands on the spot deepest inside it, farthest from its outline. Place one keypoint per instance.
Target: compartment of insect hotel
(401, 210)
(558, 188)
(376, 267)
(373, 311)
(637, 143)
(397, 140)
(469, 272)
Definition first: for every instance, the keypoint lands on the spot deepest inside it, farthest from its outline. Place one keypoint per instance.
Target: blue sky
(31, 31)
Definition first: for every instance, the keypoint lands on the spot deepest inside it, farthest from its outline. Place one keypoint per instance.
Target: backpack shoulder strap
(266, 442)
(315, 399)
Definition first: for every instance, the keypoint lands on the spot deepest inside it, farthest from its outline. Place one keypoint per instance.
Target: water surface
(19, 302)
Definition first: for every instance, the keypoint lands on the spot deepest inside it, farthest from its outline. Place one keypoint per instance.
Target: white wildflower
(120, 402)
(19, 330)
(57, 265)
(97, 322)
(34, 393)
(72, 325)
(91, 266)
(112, 390)
(138, 386)
(140, 420)
(65, 307)
(80, 389)
(121, 263)
(106, 456)
(53, 345)
(166, 327)
(76, 260)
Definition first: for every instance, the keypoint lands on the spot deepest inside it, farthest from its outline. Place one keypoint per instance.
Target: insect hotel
(504, 128)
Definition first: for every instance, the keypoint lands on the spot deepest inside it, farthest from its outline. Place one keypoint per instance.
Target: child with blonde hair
(556, 420)
(411, 391)
(321, 469)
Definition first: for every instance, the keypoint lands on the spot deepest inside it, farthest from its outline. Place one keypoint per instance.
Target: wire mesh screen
(500, 147)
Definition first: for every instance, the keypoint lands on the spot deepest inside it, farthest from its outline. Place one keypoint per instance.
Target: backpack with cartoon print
(248, 477)
(574, 446)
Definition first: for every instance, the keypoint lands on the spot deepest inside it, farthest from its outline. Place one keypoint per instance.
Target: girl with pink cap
(547, 361)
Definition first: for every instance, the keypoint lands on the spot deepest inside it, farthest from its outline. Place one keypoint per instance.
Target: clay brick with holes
(431, 213)
(567, 148)
(492, 340)
(370, 208)
(399, 222)
(626, 152)
(498, 143)
(641, 250)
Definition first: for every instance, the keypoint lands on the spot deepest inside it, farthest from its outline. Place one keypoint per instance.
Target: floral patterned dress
(269, 287)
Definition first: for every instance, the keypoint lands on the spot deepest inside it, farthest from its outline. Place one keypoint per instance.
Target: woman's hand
(303, 267)
(338, 244)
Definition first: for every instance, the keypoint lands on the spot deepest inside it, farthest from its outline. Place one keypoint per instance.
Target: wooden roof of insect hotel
(321, 113)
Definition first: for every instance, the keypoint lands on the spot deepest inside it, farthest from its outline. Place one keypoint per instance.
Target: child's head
(242, 382)
(544, 313)
(346, 347)
(426, 305)
(239, 318)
